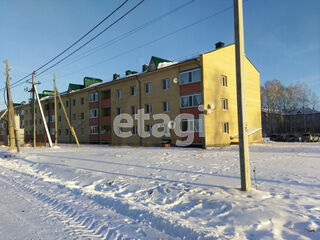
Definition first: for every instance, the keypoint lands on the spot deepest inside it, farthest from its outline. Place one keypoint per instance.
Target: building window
(191, 125)
(82, 116)
(190, 76)
(119, 93)
(94, 97)
(52, 118)
(59, 118)
(47, 119)
(67, 103)
(74, 116)
(73, 102)
(82, 101)
(148, 129)
(59, 132)
(40, 121)
(148, 108)
(105, 129)
(82, 132)
(224, 103)
(133, 91)
(225, 128)
(166, 106)
(94, 113)
(134, 130)
(52, 131)
(67, 131)
(148, 87)
(94, 129)
(224, 81)
(133, 110)
(193, 100)
(165, 84)
(119, 111)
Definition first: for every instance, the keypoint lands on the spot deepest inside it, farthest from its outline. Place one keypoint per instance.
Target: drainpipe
(140, 103)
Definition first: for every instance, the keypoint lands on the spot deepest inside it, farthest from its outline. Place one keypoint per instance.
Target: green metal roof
(157, 60)
(87, 81)
(74, 87)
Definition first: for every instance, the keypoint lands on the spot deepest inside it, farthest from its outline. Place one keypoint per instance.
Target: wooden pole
(67, 118)
(42, 115)
(34, 113)
(10, 109)
(241, 97)
(55, 112)
(3, 114)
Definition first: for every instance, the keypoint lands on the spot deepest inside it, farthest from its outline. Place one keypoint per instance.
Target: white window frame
(166, 106)
(133, 90)
(119, 93)
(94, 127)
(119, 111)
(224, 104)
(225, 128)
(188, 74)
(94, 97)
(94, 113)
(224, 81)
(135, 110)
(188, 97)
(148, 87)
(165, 84)
(148, 109)
(191, 125)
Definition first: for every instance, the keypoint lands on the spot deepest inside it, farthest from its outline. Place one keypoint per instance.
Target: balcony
(106, 120)
(105, 103)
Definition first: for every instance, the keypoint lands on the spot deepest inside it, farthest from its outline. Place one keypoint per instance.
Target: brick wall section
(93, 121)
(190, 88)
(93, 105)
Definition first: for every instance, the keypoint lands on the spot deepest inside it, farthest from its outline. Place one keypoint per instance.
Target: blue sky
(282, 38)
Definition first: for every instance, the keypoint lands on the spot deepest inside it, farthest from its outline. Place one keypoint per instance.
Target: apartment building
(203, 87)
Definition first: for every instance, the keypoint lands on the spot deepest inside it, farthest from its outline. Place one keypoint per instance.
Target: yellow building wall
(215, 64)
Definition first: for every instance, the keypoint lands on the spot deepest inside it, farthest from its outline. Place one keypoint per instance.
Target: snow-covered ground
(99, 192)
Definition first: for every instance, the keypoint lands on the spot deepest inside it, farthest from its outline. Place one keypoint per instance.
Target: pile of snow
(160, 193)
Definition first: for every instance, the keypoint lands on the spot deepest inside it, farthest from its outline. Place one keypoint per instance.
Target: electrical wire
(73, 44)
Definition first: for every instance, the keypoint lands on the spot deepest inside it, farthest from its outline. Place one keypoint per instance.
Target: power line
(97, 25)
(83, 45)
(125, 35)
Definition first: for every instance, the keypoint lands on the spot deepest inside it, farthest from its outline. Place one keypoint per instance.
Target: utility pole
(55, 112)
(241, 97)
(10, 120)
(13, 132)
(67, 118)
(34, 113)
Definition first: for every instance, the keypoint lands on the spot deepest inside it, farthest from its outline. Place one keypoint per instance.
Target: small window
(59, 132)
(224, 81)
(166, 106)
(119, 111)
(133, 91)
(148, 108)
(148, 87)
(148, 129)
(133, 110)
(134, 130)
(94, 113)
(67, 103)
(94, 129)
(59, 118)
(82, 116)
(224, 103)
(52, 118)
(82, 101)
(94, 97)
(67, 131)
(190, 76)
(165, 84)
(119, 93)
(225, 128)
(74, 116)
(74, 102)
